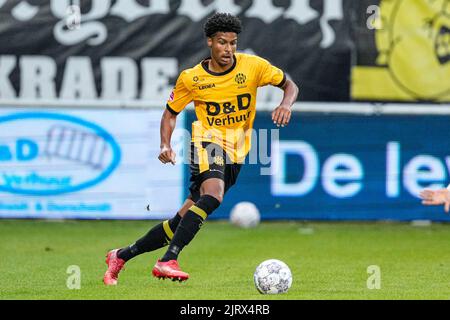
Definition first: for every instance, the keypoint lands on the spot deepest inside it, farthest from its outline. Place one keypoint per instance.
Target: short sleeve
(180, 97)
(270, 74)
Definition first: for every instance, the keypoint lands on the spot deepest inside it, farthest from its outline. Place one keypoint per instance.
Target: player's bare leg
(211, 196)
(213, 187)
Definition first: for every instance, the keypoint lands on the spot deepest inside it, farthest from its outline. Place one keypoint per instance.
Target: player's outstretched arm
(281, 116)
(436, 198)
(168, 123)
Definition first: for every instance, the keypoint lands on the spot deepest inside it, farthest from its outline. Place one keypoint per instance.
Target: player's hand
(281, 116)
(167, 155)
(436, 197)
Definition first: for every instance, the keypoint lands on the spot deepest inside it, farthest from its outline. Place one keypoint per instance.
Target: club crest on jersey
(240, 78)
(219, 161)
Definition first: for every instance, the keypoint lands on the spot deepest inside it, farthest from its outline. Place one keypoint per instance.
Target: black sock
(158, 237)
(190, 225)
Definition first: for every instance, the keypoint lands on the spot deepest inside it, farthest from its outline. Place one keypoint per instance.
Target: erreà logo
(207, 86)
(54, 154)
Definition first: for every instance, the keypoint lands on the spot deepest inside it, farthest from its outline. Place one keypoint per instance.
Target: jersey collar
(205, 67)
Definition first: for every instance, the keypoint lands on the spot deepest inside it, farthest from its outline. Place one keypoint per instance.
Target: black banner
(127, 50)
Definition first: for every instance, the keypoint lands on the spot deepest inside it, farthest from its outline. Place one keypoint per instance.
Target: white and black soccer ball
(273, 277)
(245, 215)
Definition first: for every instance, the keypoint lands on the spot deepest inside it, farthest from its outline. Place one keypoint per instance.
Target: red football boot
(115, 265)
(169, 269)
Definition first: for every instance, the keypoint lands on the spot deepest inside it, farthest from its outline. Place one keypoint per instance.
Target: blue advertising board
(85, 164)
(346, 167)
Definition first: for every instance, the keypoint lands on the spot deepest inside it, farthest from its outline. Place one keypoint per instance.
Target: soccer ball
(272, 277)
(245, 215)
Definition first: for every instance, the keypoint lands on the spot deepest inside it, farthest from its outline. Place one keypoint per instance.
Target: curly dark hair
(222, 22)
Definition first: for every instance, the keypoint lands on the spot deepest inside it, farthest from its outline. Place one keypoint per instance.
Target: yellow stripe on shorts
(202, 157)
(167, 229)
(199, 211)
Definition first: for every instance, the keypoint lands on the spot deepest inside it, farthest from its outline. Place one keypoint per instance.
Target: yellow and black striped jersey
(225, 103)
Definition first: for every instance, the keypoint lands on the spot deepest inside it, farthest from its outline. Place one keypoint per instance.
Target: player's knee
(214, 191)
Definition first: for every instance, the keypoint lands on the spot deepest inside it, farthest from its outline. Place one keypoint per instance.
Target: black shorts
(207, 161)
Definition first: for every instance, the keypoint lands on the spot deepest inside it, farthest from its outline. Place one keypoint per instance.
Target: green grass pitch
(328, 260)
